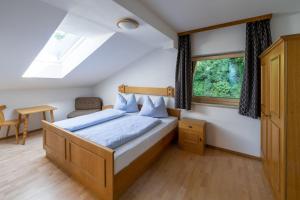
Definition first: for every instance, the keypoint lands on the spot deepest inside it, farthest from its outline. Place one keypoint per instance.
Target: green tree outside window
(221, 78)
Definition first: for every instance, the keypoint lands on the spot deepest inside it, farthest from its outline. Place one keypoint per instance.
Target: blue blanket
(119, 131)
(85, 121)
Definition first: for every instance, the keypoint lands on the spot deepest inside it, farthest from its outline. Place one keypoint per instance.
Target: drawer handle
(190, 126)
(200, 139)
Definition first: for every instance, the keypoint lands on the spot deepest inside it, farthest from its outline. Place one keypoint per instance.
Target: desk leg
(25, 128)
(17, 134)
(18, 128)
(52, 116)
(44, 116)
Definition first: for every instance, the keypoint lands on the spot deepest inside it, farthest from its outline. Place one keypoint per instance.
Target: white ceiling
(106, 13)
(27, 25)
(184, 15)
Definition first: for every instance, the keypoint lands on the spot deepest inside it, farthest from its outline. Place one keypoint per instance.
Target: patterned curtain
(258, 38)
(184, 74)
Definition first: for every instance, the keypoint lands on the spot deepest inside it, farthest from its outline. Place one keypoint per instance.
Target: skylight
(63, 52)
(59, 45)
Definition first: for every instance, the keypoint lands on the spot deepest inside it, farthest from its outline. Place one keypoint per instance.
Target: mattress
(128, 152)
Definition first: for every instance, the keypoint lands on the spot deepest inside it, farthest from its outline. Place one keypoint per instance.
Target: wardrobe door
(264, 138)
(269, 161)
(265, 107)
(275, 89)
(275, 158)
(265, 86)
(276, 121)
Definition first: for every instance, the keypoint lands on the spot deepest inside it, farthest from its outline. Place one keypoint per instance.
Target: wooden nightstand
(192, 135)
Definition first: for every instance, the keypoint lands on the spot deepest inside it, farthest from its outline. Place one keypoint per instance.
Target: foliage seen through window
(220, 78)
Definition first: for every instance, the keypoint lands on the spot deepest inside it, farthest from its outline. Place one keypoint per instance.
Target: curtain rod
(232, 23)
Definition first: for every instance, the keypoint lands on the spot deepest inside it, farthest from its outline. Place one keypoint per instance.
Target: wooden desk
(25, 112)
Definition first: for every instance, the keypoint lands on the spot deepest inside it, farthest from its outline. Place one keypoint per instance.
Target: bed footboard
(126, 177)
(89, 163)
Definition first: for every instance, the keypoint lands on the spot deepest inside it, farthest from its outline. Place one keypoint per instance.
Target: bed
(105, 171)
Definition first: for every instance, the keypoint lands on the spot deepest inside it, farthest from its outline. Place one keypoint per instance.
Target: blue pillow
(131, 104)
(160, 110)
(157, 110)
(121, 103)
(147, 107)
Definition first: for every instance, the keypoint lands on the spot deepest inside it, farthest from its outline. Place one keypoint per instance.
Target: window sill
(216, 105)
(223, 102)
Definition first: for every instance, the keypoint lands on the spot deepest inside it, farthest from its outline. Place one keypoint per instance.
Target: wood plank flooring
(178, 175)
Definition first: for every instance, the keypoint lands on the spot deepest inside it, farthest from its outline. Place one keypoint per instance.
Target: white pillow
(157, 110)
(128, 105)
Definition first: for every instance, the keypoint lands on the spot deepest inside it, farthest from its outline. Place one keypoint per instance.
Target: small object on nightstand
(192, 135)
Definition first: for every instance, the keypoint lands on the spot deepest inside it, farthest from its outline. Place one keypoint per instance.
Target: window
(218, 79)
(59, 46)
(63, 52)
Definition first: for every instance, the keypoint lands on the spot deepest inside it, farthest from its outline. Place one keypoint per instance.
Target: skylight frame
(72, 49)
(76, 54)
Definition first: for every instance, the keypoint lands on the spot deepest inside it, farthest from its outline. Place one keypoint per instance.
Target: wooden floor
(178, 175)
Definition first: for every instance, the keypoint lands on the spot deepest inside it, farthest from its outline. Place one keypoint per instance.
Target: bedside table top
(193, 121)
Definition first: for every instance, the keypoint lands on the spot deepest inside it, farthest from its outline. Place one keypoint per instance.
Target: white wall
(63, 99)
(284, 24)
(219, 41)
(144, 72)
(226, 128)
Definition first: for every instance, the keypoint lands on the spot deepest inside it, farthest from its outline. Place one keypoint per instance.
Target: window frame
(230, 102)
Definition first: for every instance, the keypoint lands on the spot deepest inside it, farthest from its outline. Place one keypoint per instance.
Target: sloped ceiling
(184, 15)
(109, 59)
(27, 25)
(108, 12)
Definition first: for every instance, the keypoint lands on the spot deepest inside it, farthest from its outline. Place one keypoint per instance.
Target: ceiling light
(128, 24)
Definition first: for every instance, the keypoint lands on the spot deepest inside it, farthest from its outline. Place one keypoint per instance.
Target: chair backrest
(2, 118)
(88, 103)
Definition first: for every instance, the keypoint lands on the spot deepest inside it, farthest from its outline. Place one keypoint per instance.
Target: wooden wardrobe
(280, 117)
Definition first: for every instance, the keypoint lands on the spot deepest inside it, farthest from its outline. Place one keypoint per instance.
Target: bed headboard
(168, 91)
(171, 111)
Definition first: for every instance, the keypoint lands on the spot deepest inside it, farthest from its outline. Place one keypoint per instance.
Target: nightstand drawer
(190, 125)
(189, 137)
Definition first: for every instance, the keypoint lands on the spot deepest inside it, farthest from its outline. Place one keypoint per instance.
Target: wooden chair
(15, 123)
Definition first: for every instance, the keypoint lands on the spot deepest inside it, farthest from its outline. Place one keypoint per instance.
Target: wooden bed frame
(93, 164)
